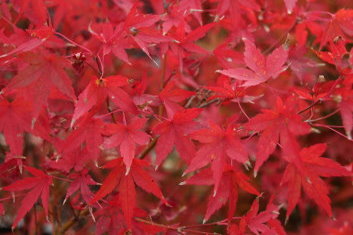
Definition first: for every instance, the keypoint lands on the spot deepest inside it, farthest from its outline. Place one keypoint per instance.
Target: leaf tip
(96, 164)
(165, 202)
(275, 212)
(33, 122)
(91, 213)
(127, 170)
(259, 196)
(247, 165)
(72, 123)
(214, 193)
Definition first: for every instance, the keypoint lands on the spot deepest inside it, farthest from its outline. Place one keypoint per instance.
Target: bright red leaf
(305, 171)
(274, 126)
(38, 186)
(260, 69)
(126, 185)
(219, 146)
(98, 90)
(126, 136)
(175, 132)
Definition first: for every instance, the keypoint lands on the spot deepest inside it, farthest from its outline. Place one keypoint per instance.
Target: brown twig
(309, 107)
(148, 148)
(110, 111)
(71, 222)
(205, 104)
(180, 230)
(324, 117)
(155, 224)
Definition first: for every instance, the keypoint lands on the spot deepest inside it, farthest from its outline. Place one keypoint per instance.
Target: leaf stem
(74, 43)
(148, 149)
(328, 127)
(324, 117)
(309, 107)
(180, 230)
(72, 221)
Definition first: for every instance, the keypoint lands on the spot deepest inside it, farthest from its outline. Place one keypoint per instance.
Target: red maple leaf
(37, 37)
(345, 98)
(80, 182)
(81, 145)
(186, 42)
(177, 11)
(232, 179)
(304, 171)
(171, 96)
(126, 185)
(98, 90)
(126, 136)
(111, 220)
(136, 28)
(274, 126)
(41, 74)
(36, 10)
(219, 145)
(227, 90)
(346, 108)
(235, 7)
(339, 24)
(320, 91)
(15, 118)
(39, 187)
(290, 4)
(261, 68)
(264, 222)
(112, 39)
(174, 132)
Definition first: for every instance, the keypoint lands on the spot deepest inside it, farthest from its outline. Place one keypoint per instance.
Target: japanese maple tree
(176, 116)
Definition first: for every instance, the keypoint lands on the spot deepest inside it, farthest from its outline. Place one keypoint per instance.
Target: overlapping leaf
(261, 68)
(38, 186)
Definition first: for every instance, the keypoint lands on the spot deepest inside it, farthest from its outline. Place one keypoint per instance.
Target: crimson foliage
(124, 116)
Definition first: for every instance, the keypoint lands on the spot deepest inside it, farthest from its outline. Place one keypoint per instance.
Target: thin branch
(203, 105)
(337, 132)
(324, 117)
(74, 43)
(148, 149)
(180, 230)
(110, 111)
(242, 110)
(309, 107)
(281, 40)
(220, 222)
(72, 221)
(156, 224)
